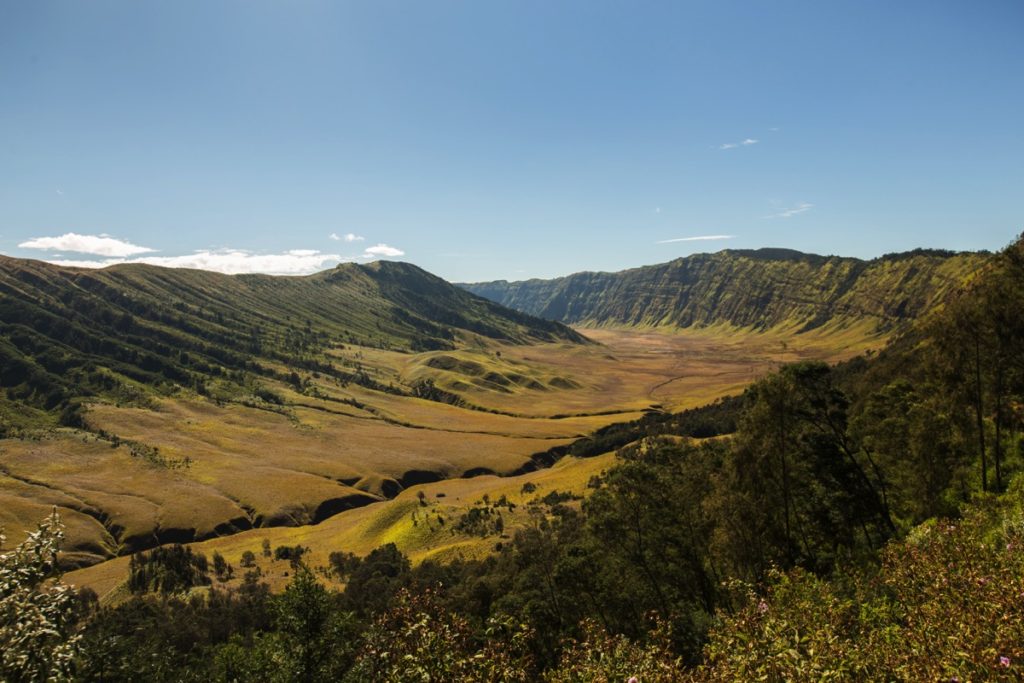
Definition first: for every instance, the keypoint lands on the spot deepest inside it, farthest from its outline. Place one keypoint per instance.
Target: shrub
(167, 569)
(37, 611)
(600, 657)
(946, 605)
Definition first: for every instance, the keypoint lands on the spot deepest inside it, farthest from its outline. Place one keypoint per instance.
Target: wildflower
(1004, 662)
(762, 607)
(633, 679)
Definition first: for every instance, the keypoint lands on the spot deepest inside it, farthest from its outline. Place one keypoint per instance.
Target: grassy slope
(127, 329)
(413, 526)
(681, 370)
(762, 289)
(337, 446)
(335, 443)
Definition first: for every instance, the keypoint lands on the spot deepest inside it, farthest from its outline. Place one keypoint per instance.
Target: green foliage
(911, 442)
(315, 636)
(795, 490)
(374, 580)
(946, 605)
(603, 658)
(168, 569)
(37, 611)
(480, 520)
(158, 637)
(289, 552)
(418, 640)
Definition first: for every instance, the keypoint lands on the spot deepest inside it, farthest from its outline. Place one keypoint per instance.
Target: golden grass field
(404, 521)
(318, 459)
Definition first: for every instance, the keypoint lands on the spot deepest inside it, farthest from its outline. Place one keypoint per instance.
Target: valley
(222, 469)
(518, 342)
(334, 477)
(323, 433)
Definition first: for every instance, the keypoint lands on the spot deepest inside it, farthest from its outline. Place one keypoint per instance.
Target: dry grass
(319, 455)
(363, 529)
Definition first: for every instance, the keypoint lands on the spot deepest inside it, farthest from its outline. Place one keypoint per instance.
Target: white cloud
(229, 261)
(76, 263)
(697, 238)
(787, 213)
(100, 245)
(348, 237)
(382, 250)
(744, 143)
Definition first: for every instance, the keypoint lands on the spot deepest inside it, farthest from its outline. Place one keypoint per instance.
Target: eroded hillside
(759, 289)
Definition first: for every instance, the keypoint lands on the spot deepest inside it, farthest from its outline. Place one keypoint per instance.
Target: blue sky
(516, 139)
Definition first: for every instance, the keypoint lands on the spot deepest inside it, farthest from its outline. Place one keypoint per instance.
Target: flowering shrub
(36, 615)
(946, 605)
(603, 658)
(418, 640)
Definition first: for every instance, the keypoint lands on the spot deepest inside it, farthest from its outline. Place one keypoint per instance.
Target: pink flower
(762, 607)
(1004, 662)
(633, 679)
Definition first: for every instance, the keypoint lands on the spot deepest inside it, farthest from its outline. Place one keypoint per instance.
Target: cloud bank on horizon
(99, 245)
(114, 251)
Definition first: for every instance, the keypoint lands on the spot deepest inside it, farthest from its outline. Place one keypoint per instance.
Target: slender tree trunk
(641, 556)
(998, 452)
(785, 478)
(979, 412)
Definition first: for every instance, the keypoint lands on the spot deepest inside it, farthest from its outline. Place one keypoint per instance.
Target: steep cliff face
(759, 289)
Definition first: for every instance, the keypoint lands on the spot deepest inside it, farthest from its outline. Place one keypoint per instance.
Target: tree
(374, 581)
(648, 542)
(796, 489)
(248, 559)
(37, 610)
(909, 435)
(316, 633)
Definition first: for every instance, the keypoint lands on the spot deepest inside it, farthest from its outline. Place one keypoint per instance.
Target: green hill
(67, 333)
(759, 289)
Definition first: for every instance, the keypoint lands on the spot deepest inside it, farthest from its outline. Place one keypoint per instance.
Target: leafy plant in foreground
(37, 613)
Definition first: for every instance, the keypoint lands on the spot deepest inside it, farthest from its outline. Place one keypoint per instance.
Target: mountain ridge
(758, 289)
(74, 332)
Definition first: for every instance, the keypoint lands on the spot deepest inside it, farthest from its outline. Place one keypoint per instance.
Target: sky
(505, 139)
